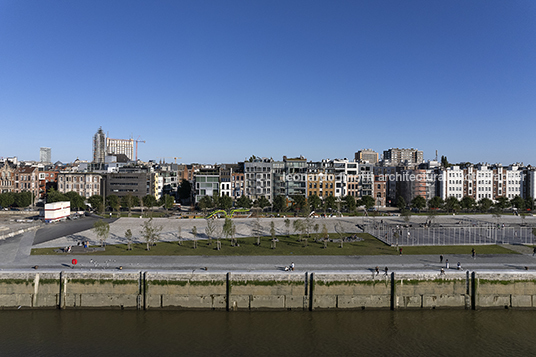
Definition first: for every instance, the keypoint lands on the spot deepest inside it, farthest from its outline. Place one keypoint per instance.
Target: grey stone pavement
(15, 251)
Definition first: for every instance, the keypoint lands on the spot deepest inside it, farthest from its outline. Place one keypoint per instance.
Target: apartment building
(259, 178)
(47, 180)
(206, 183)
(403, 157)
(86, 184)
(138, 182)
(7, 178)
(367, 156)
(27, 179)
(320, 180)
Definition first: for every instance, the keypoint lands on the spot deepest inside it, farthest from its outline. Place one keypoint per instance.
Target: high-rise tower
(99, 146)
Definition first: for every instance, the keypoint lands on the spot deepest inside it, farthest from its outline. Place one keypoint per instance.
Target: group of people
(458, 265)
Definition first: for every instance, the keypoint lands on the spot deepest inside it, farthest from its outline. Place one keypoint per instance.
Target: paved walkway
(15, 254)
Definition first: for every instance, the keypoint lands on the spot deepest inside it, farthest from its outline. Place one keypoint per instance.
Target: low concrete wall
(250, 291)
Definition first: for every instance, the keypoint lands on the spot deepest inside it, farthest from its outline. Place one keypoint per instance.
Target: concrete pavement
(15, 252)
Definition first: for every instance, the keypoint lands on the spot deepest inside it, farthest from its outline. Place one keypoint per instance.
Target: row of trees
(298, 203)
(16, 199)
(467, 203)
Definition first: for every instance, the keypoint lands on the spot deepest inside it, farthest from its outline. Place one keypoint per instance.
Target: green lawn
(285, 246)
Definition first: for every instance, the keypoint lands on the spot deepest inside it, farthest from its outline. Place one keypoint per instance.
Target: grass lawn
(285, 246)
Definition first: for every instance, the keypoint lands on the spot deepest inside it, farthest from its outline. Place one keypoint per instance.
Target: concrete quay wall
(256, 290)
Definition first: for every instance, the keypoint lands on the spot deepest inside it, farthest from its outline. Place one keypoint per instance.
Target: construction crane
(138, 141)
(168, 157)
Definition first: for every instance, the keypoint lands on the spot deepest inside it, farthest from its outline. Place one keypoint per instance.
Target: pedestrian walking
(386, 271)
(534, 251)
(441, 259)
(377, 270)
(473, 253)
(447, 264)
(400, 251)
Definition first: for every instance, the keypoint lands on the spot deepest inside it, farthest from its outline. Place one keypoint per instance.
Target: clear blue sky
(218, 81)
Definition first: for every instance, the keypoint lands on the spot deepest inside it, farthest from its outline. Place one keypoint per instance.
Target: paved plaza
(15, 251)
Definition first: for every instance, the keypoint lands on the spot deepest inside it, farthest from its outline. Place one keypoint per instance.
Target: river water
(319, 333)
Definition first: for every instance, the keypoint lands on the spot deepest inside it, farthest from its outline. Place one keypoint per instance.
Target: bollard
(311, 291)
(393, 291)
(474, 291)
(228, 292)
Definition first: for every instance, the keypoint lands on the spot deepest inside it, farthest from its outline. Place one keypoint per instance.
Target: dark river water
(218, 333)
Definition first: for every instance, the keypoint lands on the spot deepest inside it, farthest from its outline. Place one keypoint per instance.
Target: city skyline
(212, 82)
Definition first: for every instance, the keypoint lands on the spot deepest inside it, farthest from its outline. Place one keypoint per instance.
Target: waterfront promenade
(15, 251)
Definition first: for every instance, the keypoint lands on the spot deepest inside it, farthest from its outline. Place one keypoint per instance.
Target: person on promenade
(441, 259)
(473, 253)
(534, 251)
(377, 270)
(292, 266)
(447, 264)
(442, 272)
(459, 266)
(400, 251)
(386, 271)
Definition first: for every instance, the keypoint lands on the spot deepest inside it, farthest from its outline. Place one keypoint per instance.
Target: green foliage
(167, 201)
(244, 202)
(329, 203)
(113, 202)
(205, 203)
(468, 203)
(96, 203)
(518, 202)
(150, 232)
(7, 199)
(349, 203)
(484, 204)
(502, 202)
(225, 202)
(436, 202)
(368, 202)
(102, 230)
(314, 202)
(418, 202)
(280, 203)
(452, 204)
(299, 202)
(55, 196)
(23, 199)
(149, 201)
(262, 202)
(401, 203)
(185, 189)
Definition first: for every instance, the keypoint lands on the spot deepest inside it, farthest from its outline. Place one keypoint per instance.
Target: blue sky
(219, 81)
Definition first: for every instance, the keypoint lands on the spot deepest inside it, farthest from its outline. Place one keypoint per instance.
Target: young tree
(128, 236)
(406, 215)
(150, 232)
(272, 233)
(257, 230)
(340, 232)
(205, 203)
(485, 204)
(287, 226)
(325, 235)
(102, 229)
(227, 229)
(194, 233)
(210, 230)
